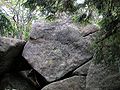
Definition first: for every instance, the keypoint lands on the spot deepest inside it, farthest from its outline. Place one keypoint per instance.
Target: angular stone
(73, 83)
(53, 51)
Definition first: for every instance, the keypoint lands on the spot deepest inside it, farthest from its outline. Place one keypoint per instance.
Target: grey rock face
(98, 73)
(53, 51)
(73, 83)
(9, 50)
(16, 81)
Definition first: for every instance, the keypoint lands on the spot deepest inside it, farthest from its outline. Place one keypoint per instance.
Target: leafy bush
(5, 25)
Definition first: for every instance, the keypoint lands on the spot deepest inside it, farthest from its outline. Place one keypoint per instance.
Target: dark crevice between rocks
(15, 81)
(37, 79)
(22, 65)
(19, 63)
(10, 64)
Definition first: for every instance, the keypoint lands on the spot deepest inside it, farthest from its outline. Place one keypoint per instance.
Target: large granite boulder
(99, 77)
(55, 50)
(16, 81)
(10, 49)
(73, 83)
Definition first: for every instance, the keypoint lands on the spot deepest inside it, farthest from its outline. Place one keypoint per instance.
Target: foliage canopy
(5, 24)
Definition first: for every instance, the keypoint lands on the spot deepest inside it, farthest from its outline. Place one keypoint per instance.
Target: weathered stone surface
(16, 81)
(97, 73)
(82, 70)
(9, 50)
(73, 83)
(53, 51)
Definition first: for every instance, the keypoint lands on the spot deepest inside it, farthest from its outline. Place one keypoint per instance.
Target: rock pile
(56, 57)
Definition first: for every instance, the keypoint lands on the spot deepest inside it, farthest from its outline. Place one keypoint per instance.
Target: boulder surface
(54, 51)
